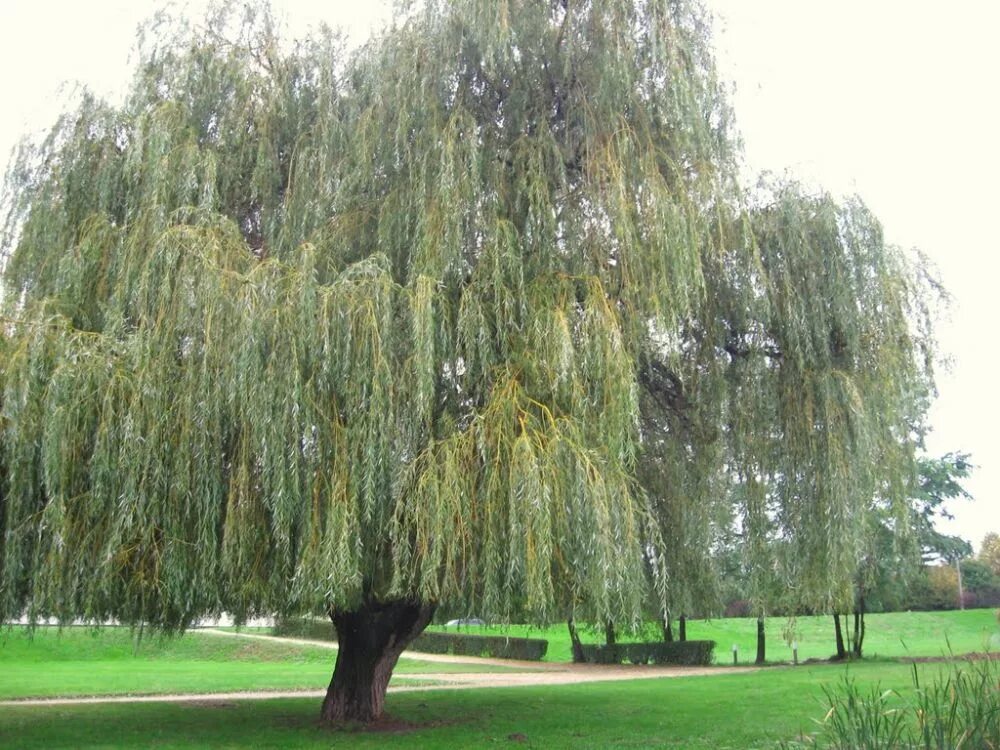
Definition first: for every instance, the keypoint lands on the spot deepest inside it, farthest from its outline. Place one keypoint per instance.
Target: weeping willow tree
(791, 405)
(472, 317)
(841, 394)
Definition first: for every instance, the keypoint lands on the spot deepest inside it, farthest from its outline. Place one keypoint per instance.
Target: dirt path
(442, 681)
(541, 673)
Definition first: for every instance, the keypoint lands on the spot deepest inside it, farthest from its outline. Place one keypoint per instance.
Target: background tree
(989, 552)
(939, 480)
(891, 561)
(981, 585)
(299, 331)
(943, 581)
(760, 552)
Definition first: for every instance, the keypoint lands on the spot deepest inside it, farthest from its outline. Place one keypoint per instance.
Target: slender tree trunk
(682, 628)
(961, 588)
(761, 655)
(609, 633)
(859, 627)
(574, 639)
(839, 633)
(668, 631)
(371, 639)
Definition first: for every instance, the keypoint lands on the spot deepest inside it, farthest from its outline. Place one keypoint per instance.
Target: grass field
(890, 635)
(752, 709)
(748, 710)
(80, 661)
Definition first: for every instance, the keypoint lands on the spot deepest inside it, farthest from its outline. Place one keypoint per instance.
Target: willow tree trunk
(668, 631)
(761, 654)
(371, 639)
(839, 634)
(682, 628)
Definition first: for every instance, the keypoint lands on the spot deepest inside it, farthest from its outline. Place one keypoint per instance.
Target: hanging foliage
(475, 315)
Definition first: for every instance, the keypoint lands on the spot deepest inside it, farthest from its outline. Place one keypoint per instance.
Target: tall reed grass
(957, 709)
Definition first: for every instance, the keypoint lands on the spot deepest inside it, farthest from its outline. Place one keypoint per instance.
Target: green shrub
(313, 629)
(687, 653)
(496, 646)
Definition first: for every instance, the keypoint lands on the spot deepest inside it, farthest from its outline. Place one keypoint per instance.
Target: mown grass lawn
(891, 635)
(751, 709)
(745, 710)
(80, 661)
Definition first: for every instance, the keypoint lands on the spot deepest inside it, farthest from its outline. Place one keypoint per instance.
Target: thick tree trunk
(371, 639)
(668, 631)
(760, 641)
(682, 628)
(574, 639)
(839, 633)
(609, 633)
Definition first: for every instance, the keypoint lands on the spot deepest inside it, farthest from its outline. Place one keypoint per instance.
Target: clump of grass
(962, 710)
(863, 720)
(958, 709)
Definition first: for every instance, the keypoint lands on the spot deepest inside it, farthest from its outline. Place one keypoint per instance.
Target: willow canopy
(473, 317)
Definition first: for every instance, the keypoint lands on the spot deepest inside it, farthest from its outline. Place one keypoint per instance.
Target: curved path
(541, 673)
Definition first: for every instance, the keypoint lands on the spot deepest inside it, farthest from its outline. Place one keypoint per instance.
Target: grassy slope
(887, 635)
(750, 710)
(79, 661)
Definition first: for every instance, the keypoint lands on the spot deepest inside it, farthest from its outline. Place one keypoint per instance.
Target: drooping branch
(475, 314)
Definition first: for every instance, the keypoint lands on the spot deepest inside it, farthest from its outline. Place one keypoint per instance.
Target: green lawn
(890, 635)
(80, 661)
(753, 709)
(748, 710)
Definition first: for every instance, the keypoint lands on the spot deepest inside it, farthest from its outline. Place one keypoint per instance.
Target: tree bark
(371, 639)
(609, 633)
(760, 641)
(668, 631)
(682, 628)
(574, 639)
(839, 633)
(961, 587)
(859, 627)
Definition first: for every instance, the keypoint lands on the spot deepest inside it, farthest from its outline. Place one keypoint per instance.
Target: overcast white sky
(893, 99)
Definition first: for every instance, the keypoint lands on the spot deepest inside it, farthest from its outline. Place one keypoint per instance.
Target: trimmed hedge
(686, 653)
(313, 629)
(459, 644)
(496, 646)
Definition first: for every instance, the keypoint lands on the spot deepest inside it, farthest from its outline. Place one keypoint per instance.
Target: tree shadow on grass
(280, 723)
